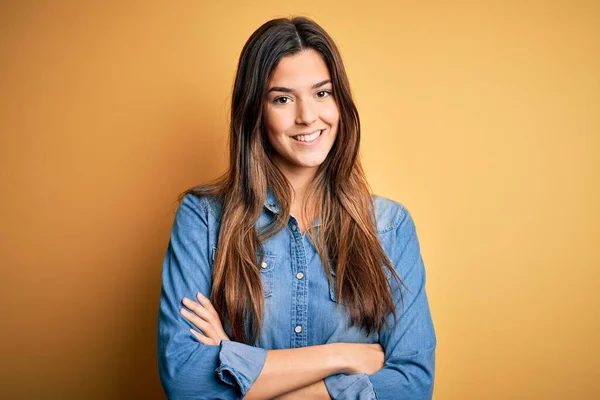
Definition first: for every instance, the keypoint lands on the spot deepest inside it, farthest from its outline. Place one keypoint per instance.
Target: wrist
(341, 358)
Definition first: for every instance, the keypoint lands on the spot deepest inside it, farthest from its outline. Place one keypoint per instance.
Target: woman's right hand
(363, 358)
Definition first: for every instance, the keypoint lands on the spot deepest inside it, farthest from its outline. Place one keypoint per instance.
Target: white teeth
(308, 138)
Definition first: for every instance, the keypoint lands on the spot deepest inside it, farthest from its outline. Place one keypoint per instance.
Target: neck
(300, 179)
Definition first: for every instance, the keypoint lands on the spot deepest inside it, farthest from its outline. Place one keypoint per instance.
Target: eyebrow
(288, 90)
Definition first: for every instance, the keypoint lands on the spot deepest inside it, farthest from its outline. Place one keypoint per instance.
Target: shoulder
(401, 243)
(389, 214)
(197, 206)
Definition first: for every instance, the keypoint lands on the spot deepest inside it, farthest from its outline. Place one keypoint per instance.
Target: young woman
(286, 278)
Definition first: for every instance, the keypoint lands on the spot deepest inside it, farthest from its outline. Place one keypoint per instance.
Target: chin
(309, 163)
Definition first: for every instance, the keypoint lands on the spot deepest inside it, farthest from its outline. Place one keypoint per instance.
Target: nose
(305, 113)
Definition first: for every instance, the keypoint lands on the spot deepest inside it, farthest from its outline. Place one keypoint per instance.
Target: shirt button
(263, 265)
(293, 227)
(299, 275)
(298, 329)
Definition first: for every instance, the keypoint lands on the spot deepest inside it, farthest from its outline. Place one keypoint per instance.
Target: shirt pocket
(266, 270)
(333, 286)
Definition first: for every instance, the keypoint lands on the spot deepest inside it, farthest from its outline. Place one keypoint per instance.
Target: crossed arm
(187, 368)
(281, 377)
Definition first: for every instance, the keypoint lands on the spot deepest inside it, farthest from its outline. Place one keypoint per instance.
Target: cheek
(279, 121)
(330, 114)
(272, 140)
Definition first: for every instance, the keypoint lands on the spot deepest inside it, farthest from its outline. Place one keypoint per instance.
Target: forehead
(299, 70)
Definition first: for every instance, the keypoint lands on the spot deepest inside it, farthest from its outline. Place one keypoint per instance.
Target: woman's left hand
(204, 317)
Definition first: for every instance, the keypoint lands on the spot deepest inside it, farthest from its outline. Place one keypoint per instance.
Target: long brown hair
(347, 239)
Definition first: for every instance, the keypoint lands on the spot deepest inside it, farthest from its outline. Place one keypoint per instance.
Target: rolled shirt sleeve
(408, 372)
(188, 368)
(346, 387)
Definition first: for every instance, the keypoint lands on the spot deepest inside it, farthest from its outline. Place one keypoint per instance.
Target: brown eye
(276, 100)
(327, 92)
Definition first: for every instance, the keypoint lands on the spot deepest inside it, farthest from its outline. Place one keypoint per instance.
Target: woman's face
(301, 116)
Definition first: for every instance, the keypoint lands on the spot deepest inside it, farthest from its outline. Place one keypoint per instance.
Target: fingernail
(200, 295)
(185, 299)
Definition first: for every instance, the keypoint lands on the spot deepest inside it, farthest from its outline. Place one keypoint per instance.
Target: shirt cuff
(350, 387)
(240, 364)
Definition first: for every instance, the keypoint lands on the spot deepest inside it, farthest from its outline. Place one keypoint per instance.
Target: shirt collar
(272, 204)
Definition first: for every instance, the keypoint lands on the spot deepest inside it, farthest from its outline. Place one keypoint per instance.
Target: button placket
(300, 289)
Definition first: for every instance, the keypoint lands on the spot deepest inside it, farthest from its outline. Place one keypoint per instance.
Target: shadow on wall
(190, 157)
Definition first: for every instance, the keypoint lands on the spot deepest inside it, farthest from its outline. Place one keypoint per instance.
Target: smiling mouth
(308, 138)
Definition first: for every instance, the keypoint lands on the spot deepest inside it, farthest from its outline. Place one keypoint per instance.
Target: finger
(199, 309)
(203, 339)
(199, 323)
(207, 316)
(205, 301)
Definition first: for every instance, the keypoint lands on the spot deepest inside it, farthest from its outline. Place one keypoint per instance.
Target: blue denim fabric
(300, 310)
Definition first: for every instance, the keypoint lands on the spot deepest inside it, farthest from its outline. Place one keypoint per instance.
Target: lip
(309, 144)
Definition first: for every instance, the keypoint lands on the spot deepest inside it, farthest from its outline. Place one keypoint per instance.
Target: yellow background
(482, 118)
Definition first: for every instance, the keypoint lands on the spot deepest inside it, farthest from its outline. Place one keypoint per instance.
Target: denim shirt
(301, 309)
